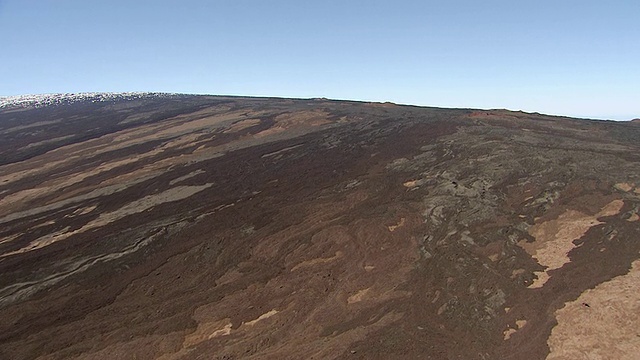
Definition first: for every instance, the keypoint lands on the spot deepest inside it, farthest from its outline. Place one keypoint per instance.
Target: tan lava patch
(173, 194)
(359, 296)
(400, 223)
(626, 187)
(296, 119)
(317, 261)
(603, 323)
(554, 238)
(261, 317)
(207, 331)
(510, 331)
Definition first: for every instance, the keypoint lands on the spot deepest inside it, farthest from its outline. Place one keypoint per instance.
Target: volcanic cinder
(156, 226)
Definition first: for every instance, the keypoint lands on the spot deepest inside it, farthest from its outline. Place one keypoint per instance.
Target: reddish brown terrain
(205, 227)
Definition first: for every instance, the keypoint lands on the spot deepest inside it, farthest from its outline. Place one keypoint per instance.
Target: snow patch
(42, 100)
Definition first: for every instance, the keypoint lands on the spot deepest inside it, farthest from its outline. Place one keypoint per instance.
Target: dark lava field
(208, 227)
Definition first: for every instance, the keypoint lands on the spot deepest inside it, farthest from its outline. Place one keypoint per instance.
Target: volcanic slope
(206, 227)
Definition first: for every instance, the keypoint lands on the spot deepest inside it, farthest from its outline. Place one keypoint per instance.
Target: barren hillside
(205, 227)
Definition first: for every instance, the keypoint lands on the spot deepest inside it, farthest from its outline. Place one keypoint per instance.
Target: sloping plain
(204, 227)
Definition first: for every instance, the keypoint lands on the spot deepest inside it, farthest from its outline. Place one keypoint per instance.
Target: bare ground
(228, 228)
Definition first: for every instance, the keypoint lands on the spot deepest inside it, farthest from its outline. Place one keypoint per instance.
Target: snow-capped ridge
(42, 100)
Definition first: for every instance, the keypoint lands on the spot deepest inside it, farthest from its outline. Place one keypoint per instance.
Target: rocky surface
(186, 227)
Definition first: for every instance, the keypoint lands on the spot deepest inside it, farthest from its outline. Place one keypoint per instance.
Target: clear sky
(579, 58)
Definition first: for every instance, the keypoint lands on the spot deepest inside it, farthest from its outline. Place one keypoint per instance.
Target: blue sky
(578, 58)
